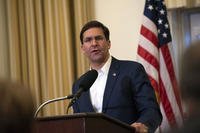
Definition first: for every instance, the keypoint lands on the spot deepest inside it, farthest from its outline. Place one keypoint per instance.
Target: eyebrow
(94, 36)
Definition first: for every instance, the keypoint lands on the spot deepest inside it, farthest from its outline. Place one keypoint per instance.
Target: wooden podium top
(81, 123)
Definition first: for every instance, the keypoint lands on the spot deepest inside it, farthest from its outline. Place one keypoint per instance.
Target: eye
(99, 38)
(87, 40)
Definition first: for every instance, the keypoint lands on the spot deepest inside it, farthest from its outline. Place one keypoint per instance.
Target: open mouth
(96, 51)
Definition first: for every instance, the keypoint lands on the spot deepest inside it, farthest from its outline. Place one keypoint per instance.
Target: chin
(96, 60)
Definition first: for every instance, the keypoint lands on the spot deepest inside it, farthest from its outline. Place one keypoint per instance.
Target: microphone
(50, 101)
(86, 81)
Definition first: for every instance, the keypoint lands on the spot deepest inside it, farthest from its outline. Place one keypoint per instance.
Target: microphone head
(88, 79)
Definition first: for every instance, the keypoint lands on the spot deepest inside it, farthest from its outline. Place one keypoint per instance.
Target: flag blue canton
(156, 11)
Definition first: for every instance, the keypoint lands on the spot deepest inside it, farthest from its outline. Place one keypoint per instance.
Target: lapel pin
(114, 74)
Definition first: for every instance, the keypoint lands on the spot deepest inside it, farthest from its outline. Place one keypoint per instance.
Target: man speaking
(122, 89)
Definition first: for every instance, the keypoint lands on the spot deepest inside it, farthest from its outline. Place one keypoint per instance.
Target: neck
(99, 65)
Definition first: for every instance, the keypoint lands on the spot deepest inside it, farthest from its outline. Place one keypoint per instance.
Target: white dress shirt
(98, 88)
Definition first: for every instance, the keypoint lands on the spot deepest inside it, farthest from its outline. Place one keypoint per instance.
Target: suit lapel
(112, 77)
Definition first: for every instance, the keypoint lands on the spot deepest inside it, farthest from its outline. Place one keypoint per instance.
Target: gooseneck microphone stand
(50, 101)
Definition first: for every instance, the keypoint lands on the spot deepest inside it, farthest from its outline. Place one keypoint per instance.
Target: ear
(109, 44)
(82, 48)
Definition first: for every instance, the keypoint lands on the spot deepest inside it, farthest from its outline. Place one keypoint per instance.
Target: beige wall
(123, 18)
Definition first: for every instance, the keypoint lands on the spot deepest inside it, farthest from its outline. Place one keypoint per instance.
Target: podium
(81, 123)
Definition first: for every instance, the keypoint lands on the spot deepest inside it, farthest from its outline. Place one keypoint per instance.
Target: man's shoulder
(126, 62)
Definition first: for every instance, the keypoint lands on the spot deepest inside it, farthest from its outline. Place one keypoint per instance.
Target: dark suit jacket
(128, 95)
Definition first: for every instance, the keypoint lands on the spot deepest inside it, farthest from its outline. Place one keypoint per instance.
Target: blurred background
(40, 47)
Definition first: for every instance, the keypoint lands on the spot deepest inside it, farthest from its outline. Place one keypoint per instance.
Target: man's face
(95, 46)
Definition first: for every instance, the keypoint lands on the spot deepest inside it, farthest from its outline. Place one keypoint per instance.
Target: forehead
(93, 32)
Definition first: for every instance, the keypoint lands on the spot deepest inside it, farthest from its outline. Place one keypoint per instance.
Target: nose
(94, 41)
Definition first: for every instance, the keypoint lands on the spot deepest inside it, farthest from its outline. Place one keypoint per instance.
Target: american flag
(156, 54)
